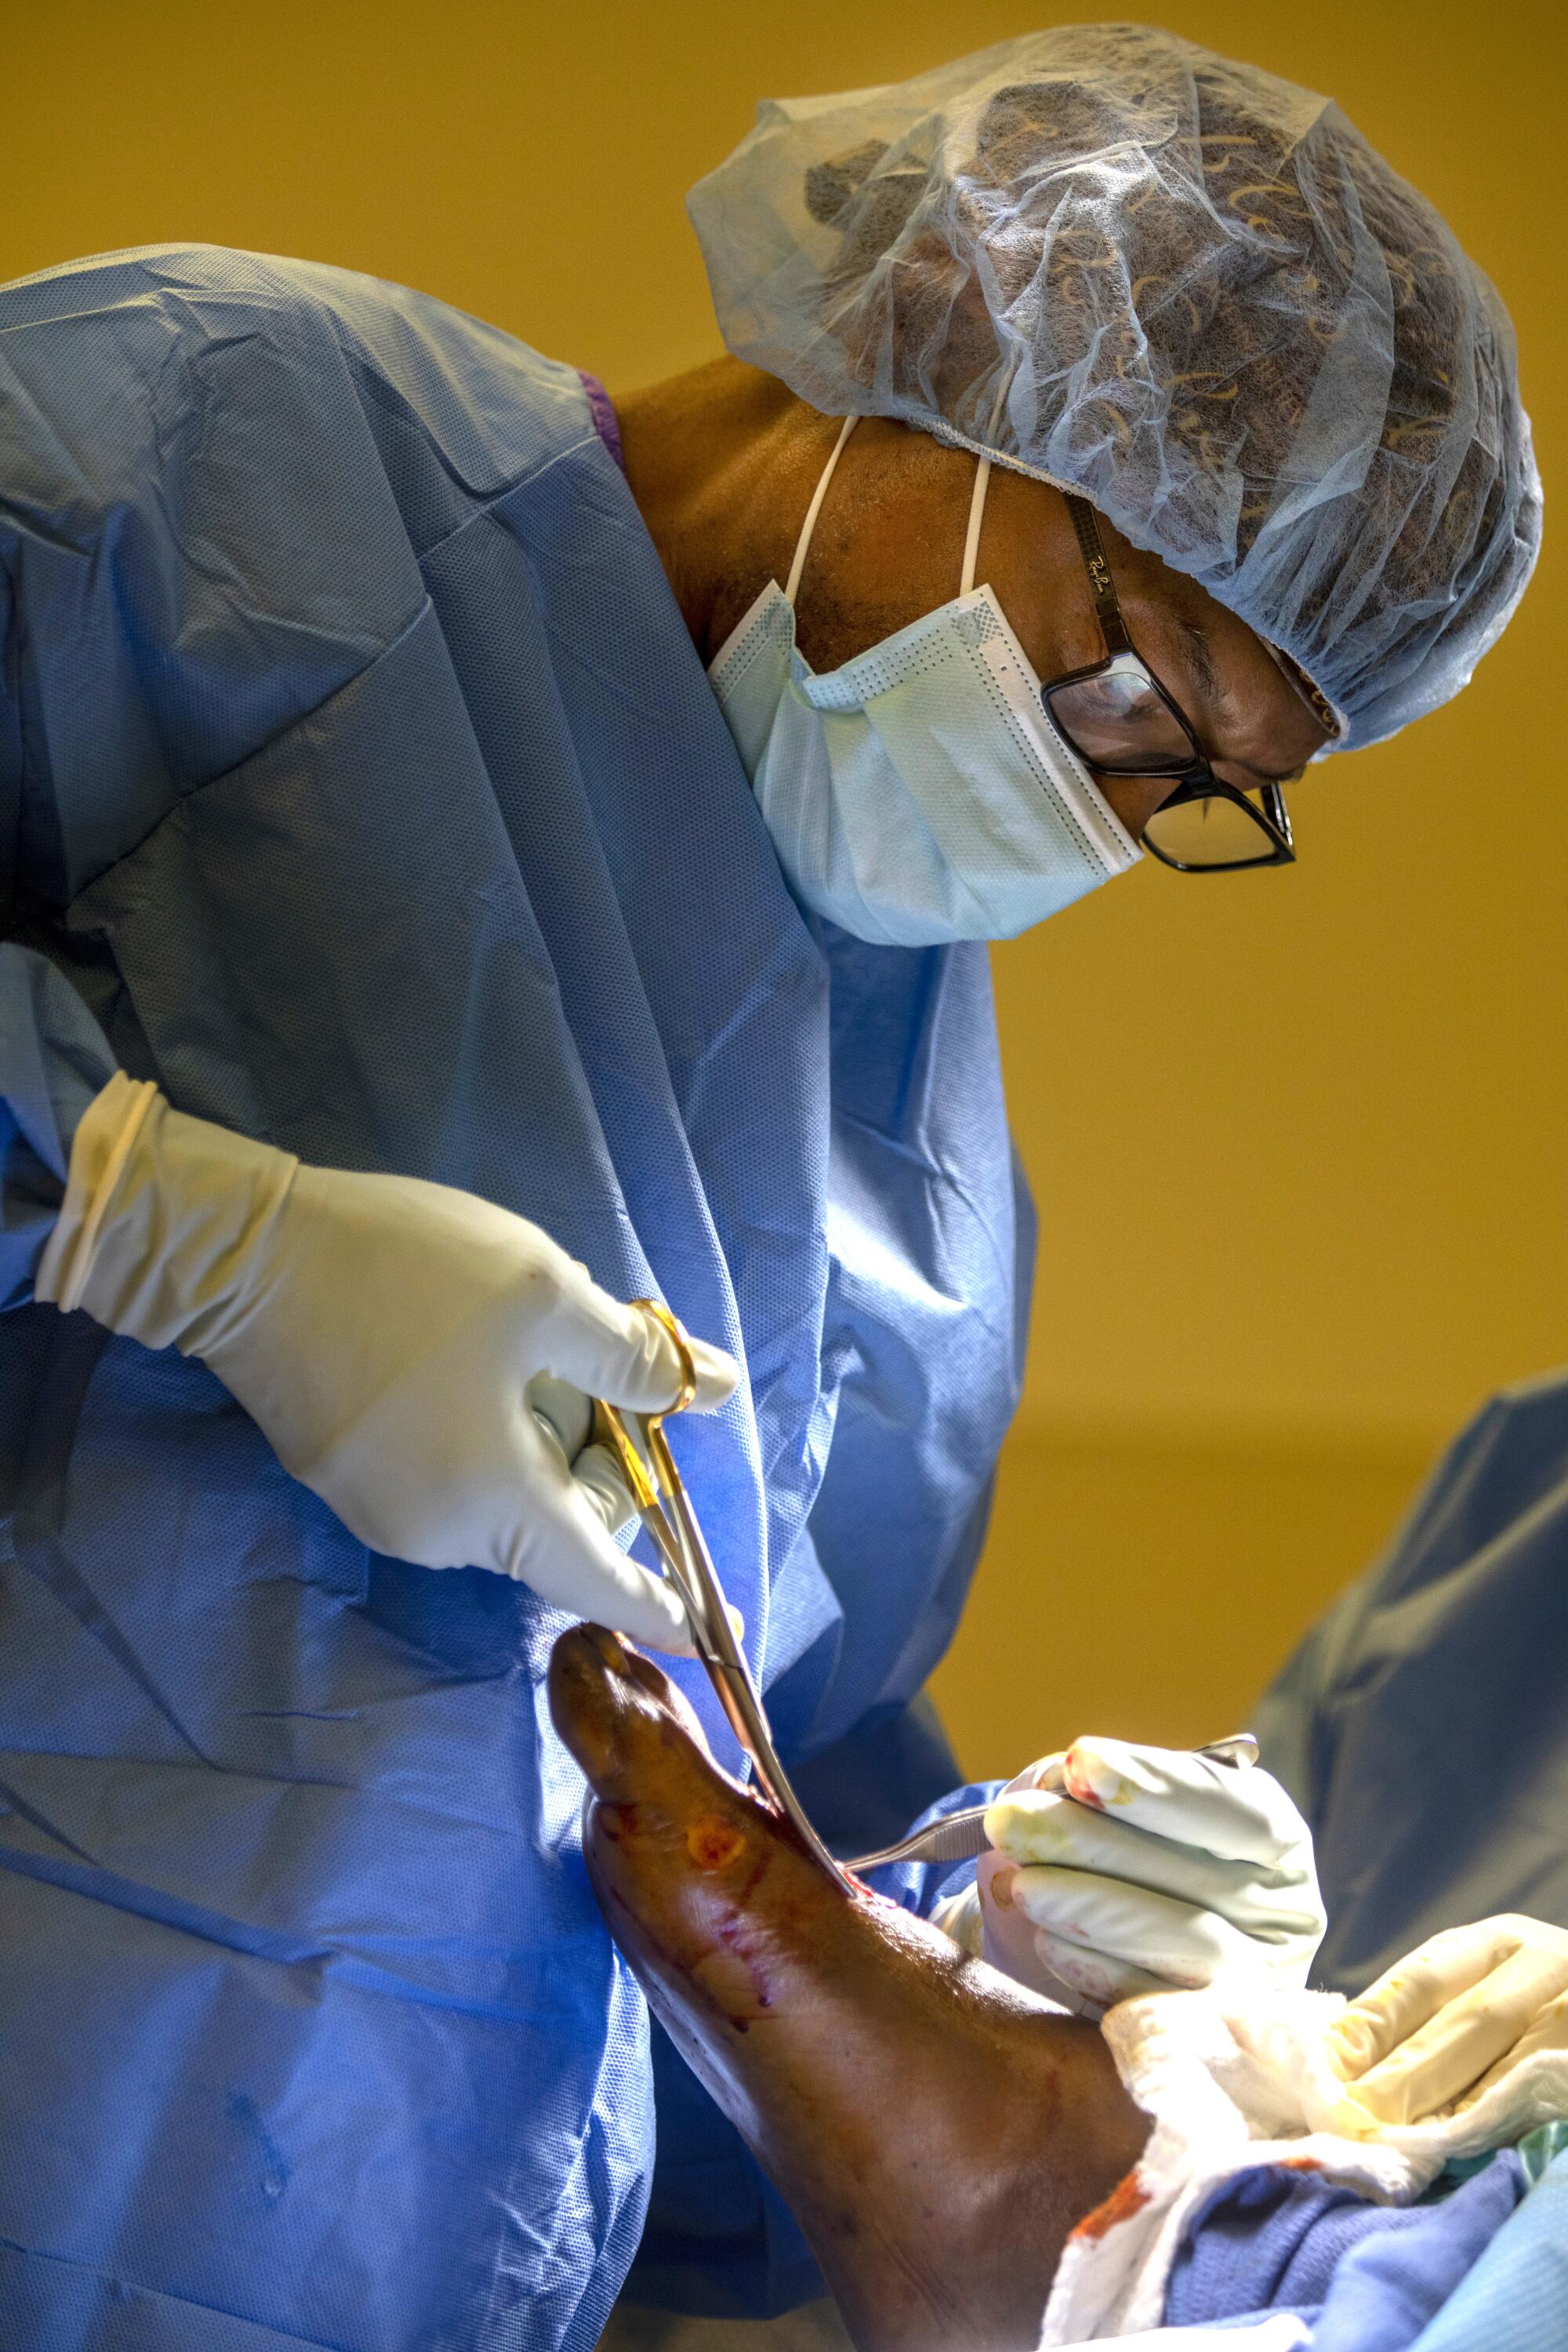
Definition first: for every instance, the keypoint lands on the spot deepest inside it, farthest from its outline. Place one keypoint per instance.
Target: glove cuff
(161, 1221)
(100, 1149)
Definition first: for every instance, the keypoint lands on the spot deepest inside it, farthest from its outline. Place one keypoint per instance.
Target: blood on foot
(732, 1986)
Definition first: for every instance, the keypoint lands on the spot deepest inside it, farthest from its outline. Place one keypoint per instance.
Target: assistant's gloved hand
(1445, 2024)
(383, 1333)
(1116, 1870)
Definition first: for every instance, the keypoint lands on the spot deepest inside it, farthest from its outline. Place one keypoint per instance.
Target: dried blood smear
(731, 1982)
(1128, 2196)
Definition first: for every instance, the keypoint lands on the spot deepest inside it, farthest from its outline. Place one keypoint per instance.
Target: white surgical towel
(1235, 2077)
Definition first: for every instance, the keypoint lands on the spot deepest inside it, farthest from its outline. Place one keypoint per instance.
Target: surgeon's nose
(1135, 799)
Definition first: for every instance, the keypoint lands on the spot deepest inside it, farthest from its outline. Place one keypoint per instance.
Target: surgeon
(478, 857)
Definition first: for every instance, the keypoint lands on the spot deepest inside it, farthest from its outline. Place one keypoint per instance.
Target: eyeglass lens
(1212, 831)
(1119, 722)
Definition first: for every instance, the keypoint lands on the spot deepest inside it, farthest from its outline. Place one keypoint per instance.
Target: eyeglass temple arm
(1101, 587)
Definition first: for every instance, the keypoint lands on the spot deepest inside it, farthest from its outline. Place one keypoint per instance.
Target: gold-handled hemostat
(656, 1486)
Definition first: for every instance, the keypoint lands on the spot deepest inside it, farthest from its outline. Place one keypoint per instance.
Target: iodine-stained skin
(937, 2130)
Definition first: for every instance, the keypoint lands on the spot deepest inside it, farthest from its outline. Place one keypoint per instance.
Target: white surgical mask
(919, 793)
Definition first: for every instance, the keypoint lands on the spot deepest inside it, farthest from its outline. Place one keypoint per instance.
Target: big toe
(622, 1718)
(590, 1687)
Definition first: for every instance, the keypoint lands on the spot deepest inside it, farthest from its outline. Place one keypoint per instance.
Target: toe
(589, 1677)
(626, 1724)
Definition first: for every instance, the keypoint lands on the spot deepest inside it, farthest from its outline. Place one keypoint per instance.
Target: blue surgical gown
(1422, 1726)
(362, 786)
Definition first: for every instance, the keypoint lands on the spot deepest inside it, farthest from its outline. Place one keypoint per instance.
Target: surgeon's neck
(710, 457)
(722, 464)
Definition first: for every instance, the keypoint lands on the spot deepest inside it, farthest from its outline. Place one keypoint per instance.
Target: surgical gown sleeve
(53, 1060)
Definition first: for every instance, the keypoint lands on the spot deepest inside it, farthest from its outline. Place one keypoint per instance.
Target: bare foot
(937, 2130)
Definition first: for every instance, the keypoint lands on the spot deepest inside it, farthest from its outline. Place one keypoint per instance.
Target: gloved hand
(1450, 2020)
(566, 1417)
(1116, 1870)
(383, 1333)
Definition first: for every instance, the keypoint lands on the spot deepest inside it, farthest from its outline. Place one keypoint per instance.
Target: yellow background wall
(1299, 1139)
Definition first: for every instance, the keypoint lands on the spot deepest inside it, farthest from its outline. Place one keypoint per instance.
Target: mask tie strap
(814, 508)
(977, 496)
(976, 517)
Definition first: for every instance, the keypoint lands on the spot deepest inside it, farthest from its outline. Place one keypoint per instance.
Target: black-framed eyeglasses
(1119, 719)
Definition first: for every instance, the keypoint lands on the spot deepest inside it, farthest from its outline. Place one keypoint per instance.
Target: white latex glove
(1116, 1870)
(384, 1334)
(566, 1416)
(1453, 2019)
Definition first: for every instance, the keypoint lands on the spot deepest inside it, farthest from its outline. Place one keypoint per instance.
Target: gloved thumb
(596, 1470)
(560, 1543)
(612, 1350)
(566, 1415)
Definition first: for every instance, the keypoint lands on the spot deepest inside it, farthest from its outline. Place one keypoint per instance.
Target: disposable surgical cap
(1187, 289)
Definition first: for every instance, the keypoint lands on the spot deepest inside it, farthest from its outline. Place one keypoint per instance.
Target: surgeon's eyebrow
(1200, 654)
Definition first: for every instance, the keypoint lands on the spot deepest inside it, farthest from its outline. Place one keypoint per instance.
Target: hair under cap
(1184, 287)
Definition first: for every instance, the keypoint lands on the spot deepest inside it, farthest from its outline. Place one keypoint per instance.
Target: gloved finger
(566, 1412)
(1414, 1990)
(613, 1350)
(1007, 1934)
(1463, 2041)
(596, 1471)
(1096, 1981)
(1034, 1826)
(1241, 1815)
(1181, 1943)
(566, 1417)
(559, 1546)
(1550, 2032)
(1539, 1934)
(1087, 1980)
